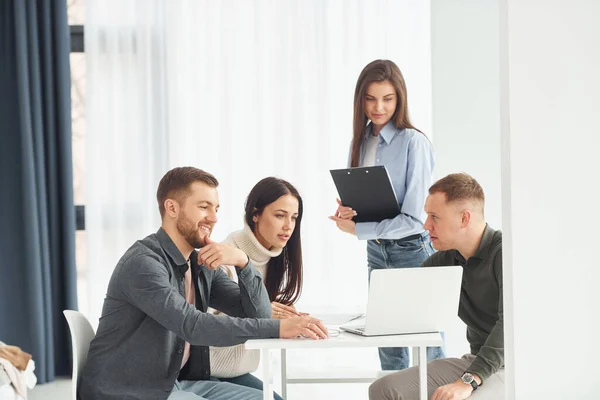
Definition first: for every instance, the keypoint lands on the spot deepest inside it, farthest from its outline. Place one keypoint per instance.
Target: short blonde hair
(459, 187)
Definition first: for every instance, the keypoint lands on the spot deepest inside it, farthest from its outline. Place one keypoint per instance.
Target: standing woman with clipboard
(384, 135)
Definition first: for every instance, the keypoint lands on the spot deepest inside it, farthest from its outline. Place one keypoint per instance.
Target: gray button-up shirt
(138, 349)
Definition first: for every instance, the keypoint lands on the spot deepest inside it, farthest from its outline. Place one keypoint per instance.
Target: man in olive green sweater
(456, 224)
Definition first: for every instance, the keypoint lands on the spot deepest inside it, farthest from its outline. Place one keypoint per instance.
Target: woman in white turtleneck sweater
(271, 239)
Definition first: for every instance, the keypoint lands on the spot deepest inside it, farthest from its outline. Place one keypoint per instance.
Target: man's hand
(281, 311)
(453, 391)
(345, 225)
(214, 254)
(344, 212)
(307, 327)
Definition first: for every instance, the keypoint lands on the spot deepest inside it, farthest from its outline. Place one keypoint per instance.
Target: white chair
(82, 334)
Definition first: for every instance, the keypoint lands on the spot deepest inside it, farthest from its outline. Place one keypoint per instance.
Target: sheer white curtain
(243, 89)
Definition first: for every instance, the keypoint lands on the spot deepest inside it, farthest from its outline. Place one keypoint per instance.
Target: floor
(316, 362)
(59, 389)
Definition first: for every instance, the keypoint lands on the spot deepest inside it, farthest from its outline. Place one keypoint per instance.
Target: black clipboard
(368, 191)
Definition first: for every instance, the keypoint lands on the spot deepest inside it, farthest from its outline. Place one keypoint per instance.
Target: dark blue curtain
(37, 221)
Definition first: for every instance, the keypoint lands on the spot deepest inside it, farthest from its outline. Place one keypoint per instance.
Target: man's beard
(190, 232)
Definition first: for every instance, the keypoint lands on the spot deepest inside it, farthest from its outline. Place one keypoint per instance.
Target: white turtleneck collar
(246, 241)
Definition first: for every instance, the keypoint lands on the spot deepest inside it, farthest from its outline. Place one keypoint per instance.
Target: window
(76, 17)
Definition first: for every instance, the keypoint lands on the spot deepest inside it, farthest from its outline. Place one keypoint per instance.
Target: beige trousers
(404, 385)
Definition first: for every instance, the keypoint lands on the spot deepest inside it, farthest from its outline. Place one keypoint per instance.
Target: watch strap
(473, 381)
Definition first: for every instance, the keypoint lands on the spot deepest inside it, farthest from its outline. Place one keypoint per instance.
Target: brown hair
(176, 184)
(284, 275)
(377, 71)
(459, 187)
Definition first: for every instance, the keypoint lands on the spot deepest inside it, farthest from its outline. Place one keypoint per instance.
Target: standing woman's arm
(412, 215)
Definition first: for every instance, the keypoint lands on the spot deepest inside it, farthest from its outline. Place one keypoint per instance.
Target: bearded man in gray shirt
(153, 336)
(456, 224)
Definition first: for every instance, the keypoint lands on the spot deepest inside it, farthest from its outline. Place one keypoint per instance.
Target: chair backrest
(82, 334)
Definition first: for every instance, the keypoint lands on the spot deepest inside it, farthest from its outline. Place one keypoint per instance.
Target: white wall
(551, 98)
(466, 105)
(466, 101)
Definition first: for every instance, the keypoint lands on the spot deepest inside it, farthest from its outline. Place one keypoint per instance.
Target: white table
(419, 342)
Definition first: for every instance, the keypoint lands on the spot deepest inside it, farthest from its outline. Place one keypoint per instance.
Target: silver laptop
(411, 300)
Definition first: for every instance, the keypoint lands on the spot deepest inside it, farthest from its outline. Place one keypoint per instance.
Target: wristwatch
(469, 379)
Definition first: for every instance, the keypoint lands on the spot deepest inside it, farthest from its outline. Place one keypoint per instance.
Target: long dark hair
(284, 272)
(377, 71)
